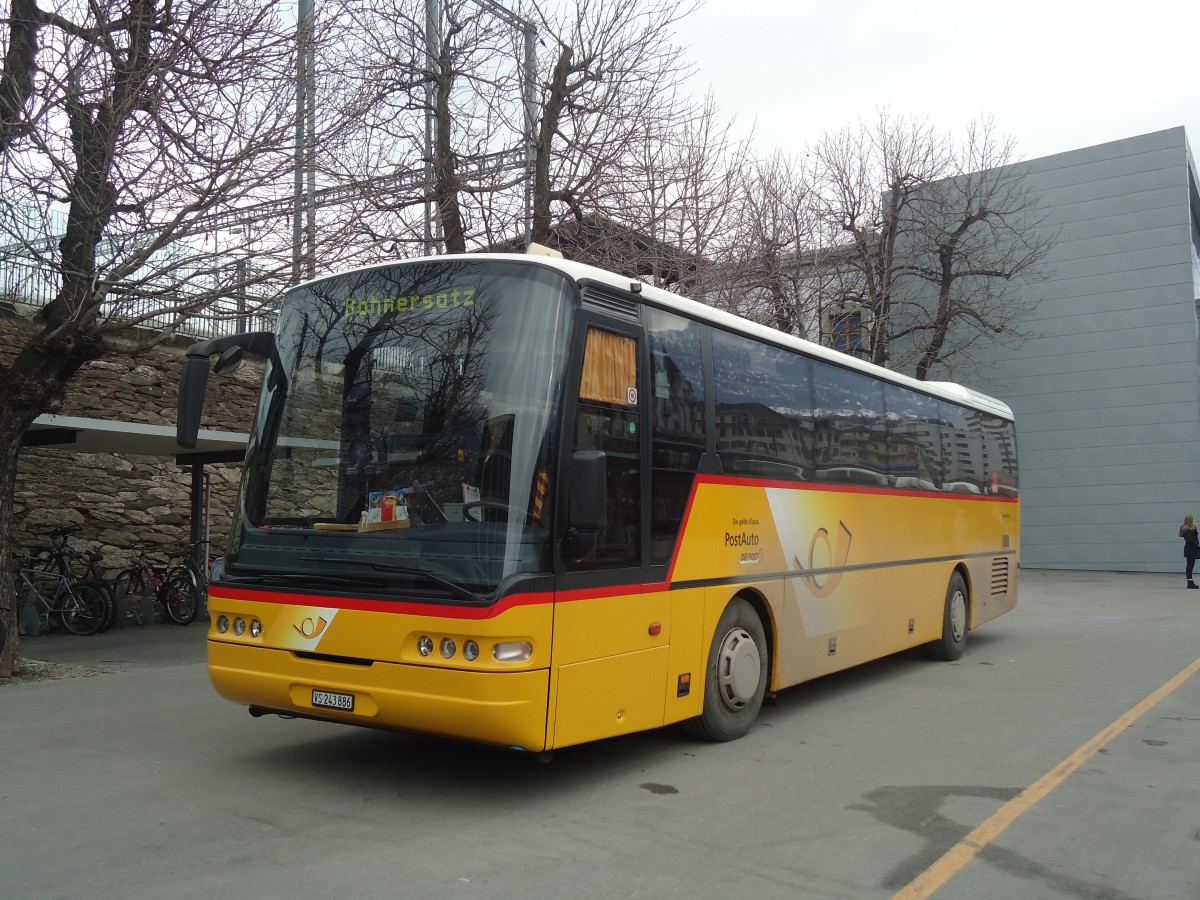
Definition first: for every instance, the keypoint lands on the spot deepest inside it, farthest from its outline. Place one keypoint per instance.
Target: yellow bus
(524, 501)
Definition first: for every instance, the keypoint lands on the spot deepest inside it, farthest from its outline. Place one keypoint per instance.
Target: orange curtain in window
(609, 368)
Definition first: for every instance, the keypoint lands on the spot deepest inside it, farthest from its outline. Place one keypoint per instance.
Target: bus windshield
(405, 432)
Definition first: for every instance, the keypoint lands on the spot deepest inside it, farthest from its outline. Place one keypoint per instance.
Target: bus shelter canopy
(84, 435)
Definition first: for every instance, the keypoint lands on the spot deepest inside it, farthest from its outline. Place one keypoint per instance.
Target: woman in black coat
(1191, 547)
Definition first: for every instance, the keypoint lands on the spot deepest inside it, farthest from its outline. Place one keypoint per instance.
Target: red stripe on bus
(365, 604)
(402, 607)
(743, 481)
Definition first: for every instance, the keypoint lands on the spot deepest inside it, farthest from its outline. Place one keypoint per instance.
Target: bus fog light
(239, 626)
(425, 646)
(471, 650)
(448, 648)
(222, 624)
(513, 651)
(256, 628)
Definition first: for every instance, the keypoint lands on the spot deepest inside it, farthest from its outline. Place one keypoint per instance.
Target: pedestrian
(1191, 547)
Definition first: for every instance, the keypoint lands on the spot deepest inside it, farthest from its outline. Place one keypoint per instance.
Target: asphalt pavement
(121, 649)
(1056, 759)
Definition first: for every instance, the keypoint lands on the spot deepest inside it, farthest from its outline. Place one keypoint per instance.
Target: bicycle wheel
(110, 602)
(82, 608)
(179, 598)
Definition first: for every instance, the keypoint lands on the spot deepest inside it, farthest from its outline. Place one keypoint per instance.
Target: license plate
(333, 700)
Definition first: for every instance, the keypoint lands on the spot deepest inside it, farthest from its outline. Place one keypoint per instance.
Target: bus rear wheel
(736, 677)
(953, 641)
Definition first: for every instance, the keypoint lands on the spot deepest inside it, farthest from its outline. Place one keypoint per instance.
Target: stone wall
(120, 500)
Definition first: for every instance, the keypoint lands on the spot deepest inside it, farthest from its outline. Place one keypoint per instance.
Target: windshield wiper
(287, 578)
(460, 591)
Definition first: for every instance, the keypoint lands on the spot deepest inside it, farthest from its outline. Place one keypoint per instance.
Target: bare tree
(125, 128)
(935, 235)
(681, 194)
(440, 122)
(607, 79)
(769, 258)
(978, 231)
(613, 92)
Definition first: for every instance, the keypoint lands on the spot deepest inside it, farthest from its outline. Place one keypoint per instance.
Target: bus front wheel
(736, 677)
(954, 622)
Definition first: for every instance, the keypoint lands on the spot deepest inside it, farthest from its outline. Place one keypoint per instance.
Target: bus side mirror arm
(587, 501)
(193, 380)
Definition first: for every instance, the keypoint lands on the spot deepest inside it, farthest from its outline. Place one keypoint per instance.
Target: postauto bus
(520, 500)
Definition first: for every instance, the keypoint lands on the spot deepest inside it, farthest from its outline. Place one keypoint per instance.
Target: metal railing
(24, 282)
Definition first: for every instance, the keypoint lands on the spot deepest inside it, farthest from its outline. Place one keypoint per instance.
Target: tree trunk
(551, 114)
(32, 384)
(941, 322)
(446, 185)
(10, 443)
(16, 415)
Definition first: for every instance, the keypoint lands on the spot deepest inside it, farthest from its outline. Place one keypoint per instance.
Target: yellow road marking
(953, 861)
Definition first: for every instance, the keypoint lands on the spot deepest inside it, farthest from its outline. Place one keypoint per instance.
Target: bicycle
(69, 560)
(53, 599)
(161, 589)
(59, 558)
(195, 575)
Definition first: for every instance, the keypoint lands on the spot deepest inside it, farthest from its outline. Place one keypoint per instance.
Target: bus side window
(607, 420)
(963, 450)
(914, 439)
(852, 439)
(764, 409)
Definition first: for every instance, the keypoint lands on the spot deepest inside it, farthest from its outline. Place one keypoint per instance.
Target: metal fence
(25, 282)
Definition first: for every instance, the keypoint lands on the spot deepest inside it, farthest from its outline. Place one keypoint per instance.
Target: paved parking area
(1056, 759)
(119, 649)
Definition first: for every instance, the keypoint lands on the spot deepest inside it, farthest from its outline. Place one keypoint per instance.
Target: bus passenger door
(611, 635)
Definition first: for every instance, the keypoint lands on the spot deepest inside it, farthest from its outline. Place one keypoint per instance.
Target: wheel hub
(958, 616)
(738, 669)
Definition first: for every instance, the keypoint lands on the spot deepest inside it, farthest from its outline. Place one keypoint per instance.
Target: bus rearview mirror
(193, 379)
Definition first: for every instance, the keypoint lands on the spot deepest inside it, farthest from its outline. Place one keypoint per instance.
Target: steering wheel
(525, 514)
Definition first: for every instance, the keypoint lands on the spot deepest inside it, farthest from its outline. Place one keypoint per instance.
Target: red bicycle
(158, 590)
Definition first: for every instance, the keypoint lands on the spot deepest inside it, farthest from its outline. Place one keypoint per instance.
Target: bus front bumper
(505, 708)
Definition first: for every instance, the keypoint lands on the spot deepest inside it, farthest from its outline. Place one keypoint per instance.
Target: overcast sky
(1057, 75)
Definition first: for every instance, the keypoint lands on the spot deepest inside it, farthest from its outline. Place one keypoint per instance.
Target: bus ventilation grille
(999, 576)
(612, 303)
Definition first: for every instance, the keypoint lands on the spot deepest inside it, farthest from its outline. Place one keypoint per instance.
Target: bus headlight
(471, 651)
(222, 624)
(239, 626)
(256, 628)
(425, 645)
(513, 651)
(448, 648)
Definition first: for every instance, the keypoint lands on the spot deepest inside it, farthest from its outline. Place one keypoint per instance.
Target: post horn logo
(310, 629)
(815, 573)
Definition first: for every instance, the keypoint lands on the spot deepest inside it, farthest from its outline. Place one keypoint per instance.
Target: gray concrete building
(1107, 388)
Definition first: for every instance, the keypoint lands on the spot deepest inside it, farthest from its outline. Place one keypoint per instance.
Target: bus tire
(736, 676)
(955, 616)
